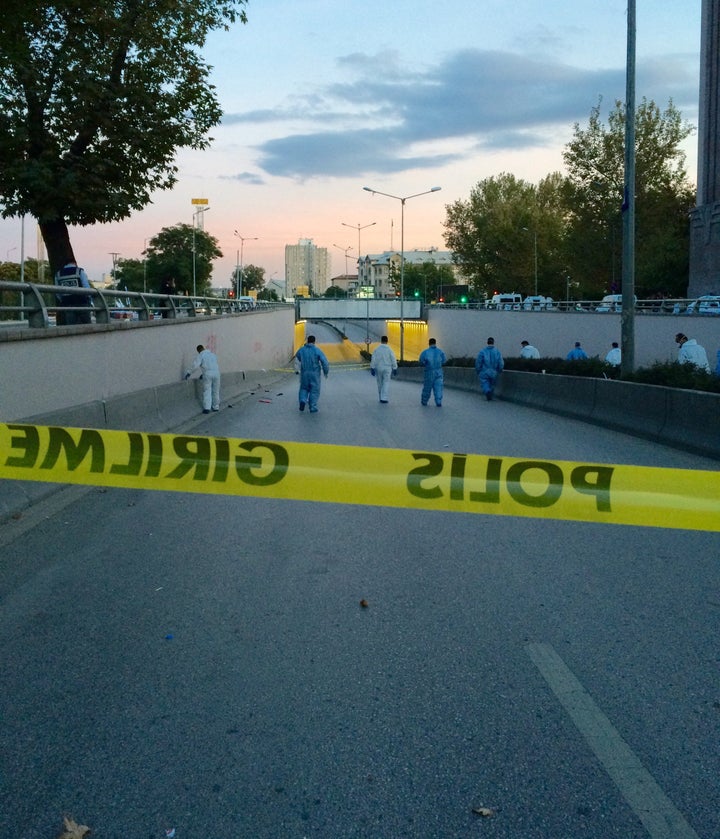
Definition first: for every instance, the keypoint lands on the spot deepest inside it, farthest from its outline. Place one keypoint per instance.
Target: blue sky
(322, 98)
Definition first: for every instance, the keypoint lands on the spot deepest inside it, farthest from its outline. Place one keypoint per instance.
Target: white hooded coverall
(383, 362)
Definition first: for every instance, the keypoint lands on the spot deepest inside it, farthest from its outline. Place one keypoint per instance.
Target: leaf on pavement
(73, 830)
(486, 812)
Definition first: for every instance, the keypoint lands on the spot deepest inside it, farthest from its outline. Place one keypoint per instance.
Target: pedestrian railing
(37, 306)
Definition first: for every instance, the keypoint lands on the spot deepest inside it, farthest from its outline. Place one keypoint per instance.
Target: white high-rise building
(307, 265)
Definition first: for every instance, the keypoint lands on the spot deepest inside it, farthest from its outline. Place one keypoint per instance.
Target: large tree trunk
(57, 241)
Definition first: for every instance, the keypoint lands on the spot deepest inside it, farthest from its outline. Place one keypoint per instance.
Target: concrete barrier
(165, 408)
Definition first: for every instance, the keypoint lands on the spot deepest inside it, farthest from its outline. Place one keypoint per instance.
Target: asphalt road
(203, 663)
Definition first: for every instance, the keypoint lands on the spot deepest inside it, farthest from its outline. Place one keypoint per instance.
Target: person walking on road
(432, 359)
(576, 353)
(690, 352)
(528, 351)
(207, 362)
(383, 365)
(488, 366)
(309, 362)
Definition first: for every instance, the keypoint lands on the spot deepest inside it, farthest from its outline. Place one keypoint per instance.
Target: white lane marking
(661, 818)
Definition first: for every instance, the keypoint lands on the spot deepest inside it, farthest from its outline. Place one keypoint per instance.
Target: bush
(674, 374)
(665, 374)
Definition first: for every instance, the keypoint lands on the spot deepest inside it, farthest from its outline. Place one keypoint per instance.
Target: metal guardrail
(665, 306)
(37, 306)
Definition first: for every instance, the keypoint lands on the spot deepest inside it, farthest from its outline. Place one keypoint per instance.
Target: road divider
(450, 482)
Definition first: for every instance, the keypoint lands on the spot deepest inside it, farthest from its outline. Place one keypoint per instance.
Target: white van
(538, 303)
(611, 303)
(507, 301)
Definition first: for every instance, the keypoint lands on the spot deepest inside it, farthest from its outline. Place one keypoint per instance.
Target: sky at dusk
(324, 97)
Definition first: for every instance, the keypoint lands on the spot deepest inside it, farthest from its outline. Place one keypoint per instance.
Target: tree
(95, 101)
(493, 235)
(663, 197)
(425, 281)
(334, 291)
(170, 254)
(131, 274)
(253, 279)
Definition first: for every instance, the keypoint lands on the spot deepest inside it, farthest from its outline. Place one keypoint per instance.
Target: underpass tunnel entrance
(343, 341)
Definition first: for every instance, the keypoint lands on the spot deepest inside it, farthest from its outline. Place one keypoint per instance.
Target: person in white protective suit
(383, 365)
(207, 362)
(614, 355)
(309, 362)
(690, 352)
(528, 351)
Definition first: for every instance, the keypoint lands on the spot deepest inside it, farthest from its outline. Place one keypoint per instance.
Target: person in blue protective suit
(432, 359)
(383, 365)
(309, 362)
(488, 366)
(206, 361)
(576, 353)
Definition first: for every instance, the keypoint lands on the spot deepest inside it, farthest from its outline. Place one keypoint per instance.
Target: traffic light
(463, 299)
(231, 293)
(416, 292)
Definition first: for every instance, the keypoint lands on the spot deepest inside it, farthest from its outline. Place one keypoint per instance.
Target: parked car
(121, 312)
(708, 304)
(245, 302)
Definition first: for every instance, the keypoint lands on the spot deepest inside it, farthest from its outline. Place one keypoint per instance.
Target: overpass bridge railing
(35, 305)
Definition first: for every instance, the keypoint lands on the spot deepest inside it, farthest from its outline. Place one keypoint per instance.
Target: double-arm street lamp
(402, 201)
(198, 223)
(360, 227)
(239, 262)
(345, 251)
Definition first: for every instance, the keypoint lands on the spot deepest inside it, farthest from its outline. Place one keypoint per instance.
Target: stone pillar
(705, 217)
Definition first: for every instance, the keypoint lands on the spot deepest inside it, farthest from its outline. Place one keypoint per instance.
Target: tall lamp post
(345, 251)
(198, 214)
(402, 201)
(360, 227)
(239, 266)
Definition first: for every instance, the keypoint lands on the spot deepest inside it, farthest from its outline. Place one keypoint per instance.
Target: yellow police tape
(423, 480)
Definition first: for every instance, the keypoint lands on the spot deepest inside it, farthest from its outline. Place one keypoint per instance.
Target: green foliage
(95, 101)
(574, 222)
(131, 274)
(170, 254)
(268, 294)
(426, 279)
(336, 292)
(674, 374)
(493, 235)
(663, 197)
(664, 374)
(253, 278)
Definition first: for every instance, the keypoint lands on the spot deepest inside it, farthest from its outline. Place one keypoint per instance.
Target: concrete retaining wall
(43, 371)
(686, 419)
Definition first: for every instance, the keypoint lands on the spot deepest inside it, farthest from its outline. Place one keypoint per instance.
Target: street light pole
(238, 276)
(199, 213)
(345, 251)
(402, 251)
(360, 227)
